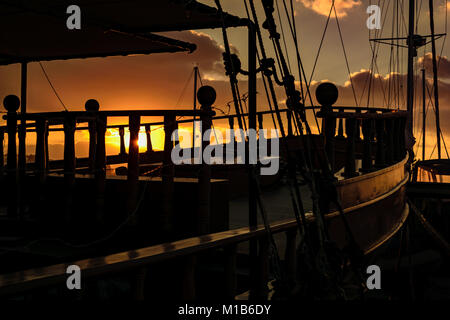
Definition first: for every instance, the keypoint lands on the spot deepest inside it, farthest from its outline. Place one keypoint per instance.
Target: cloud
(443, 65)
(323, 6)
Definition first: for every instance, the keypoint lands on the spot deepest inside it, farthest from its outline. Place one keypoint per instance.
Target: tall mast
(410, 85)
(435, 80)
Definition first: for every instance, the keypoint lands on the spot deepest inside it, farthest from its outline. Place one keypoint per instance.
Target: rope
(53, 88)
(345, 55)
(321, 42)
(233, 80)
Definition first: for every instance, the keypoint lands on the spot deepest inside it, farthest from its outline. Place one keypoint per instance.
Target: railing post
(341, 126)
(47, 159)
(40, 161)
(12, 104)
(122, 151)
(368, 134)
(134, 123)
(92, 106)
(149, 138)
(329, 130)
(380, 158)
(69, 164)
(100, 168)
(350, 169)
(167, 175)
(390, 141)
(206, 96)
(358, 126)
(230, 271)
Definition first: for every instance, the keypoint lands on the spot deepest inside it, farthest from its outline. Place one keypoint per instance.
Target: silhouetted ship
(164, 230)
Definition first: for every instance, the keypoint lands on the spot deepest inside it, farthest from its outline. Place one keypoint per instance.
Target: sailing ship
(156, 215)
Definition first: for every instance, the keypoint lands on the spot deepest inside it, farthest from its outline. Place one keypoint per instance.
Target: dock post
(69, 165)
(350, 129)
(12, 104)
(133, 168)
(206, 95)
(167, 174)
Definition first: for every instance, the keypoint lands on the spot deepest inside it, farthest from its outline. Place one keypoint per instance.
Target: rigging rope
(53, 88)
(345, 55)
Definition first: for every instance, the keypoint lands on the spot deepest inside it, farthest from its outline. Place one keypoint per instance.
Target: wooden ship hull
(155, 214)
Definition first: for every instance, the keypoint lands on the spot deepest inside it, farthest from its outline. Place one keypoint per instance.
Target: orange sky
(157, 81)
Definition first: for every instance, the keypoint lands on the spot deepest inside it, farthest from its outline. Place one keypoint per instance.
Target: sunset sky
(157, 81)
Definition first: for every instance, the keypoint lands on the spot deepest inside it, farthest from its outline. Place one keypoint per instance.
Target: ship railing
(381, 132)
(15, 171)
(150, 154)
(139, 263)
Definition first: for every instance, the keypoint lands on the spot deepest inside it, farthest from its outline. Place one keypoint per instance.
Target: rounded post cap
(92, 105)
(11, 103)
(206, 95)
(327, 94)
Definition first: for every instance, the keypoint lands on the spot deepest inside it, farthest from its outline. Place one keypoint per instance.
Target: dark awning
(35, 30)
(134, 15)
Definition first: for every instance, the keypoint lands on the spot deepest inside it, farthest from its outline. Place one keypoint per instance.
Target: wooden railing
(137, 262)
(96, 124)
(381, 128)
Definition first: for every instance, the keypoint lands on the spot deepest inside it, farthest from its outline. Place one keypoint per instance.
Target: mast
(435, 80)
(423, 114)
(410, 85)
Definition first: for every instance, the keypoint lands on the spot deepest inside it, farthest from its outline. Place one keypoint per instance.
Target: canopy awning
(35, 30)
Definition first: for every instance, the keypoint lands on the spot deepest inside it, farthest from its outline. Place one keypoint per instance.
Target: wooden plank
(33, 278)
